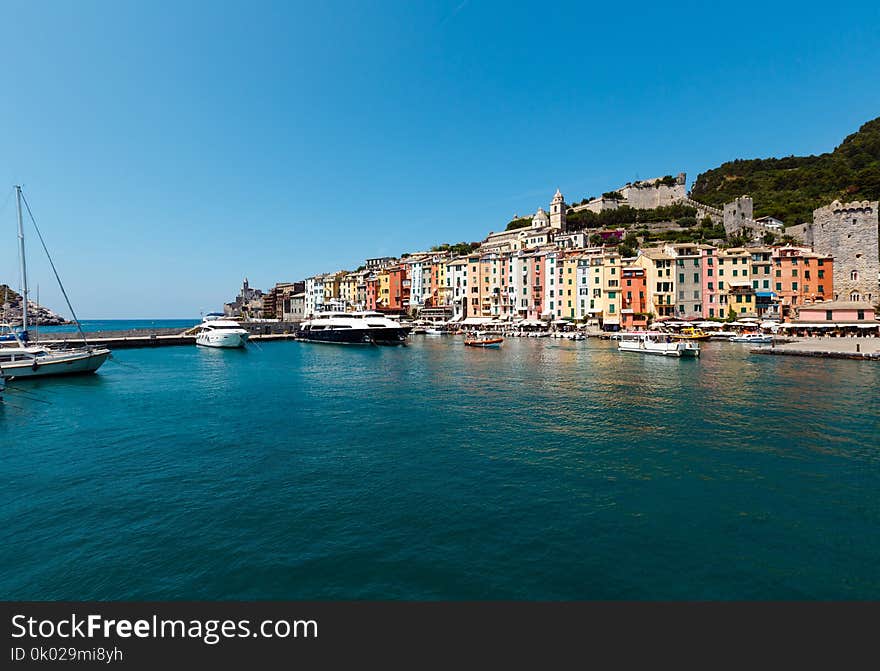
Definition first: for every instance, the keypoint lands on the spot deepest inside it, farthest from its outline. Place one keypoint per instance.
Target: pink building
(709, 283)
(838, 312)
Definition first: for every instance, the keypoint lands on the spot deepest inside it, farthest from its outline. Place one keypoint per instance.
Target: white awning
(476, 321)
(611, 320)
(826, 325)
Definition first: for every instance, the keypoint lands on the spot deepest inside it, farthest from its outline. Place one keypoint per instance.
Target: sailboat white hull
(60, 363)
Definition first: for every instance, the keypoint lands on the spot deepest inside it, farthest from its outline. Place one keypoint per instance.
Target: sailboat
(19, 358)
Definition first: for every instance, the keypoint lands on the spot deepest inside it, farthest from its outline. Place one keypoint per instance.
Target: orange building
(634, 298)
(800, 276)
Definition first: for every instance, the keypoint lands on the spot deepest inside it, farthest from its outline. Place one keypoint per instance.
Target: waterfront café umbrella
(708, 325)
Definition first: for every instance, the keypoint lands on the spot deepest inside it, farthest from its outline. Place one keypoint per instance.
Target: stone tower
(557, 211)
(738, 214)
(849, 233)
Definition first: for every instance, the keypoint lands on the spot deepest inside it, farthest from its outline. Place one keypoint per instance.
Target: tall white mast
(23, 264)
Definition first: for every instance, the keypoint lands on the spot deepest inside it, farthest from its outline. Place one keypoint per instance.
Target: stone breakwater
(830, 348)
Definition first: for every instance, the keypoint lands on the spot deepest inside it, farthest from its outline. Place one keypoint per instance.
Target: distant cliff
(791, 188)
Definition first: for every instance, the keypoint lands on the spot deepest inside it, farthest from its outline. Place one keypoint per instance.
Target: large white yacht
(353, 328)
(214, 332)
(653, 342)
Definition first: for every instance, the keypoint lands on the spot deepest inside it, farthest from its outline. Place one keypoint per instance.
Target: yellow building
(383, 295)
(569, 298)
(348, 290)
(659, 281)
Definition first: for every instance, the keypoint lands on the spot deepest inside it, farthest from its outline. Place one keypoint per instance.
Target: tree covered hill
(791, 188)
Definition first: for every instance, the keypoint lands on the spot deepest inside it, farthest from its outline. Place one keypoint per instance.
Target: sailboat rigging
(23, 360)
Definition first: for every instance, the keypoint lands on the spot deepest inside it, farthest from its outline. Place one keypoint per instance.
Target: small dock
(862, 349)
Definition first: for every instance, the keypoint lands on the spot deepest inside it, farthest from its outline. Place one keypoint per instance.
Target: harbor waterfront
(547, 469)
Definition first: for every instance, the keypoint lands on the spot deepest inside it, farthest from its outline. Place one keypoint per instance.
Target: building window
(854, 276)
(860, 315)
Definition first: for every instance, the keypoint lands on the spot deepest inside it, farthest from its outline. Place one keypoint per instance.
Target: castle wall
(849, 233)
(650, 194)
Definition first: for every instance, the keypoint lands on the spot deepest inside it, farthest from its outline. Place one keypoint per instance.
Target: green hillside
(791, 188)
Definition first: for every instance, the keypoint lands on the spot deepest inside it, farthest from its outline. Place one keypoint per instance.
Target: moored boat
(653, 342)
(691, 333)
(483, 342)
(19, 358)
(353, 328)
(754, 338)
(25, 361)
(221, 333)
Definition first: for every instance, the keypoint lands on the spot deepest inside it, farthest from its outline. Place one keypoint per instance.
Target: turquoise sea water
(544, 470)
(97, 325)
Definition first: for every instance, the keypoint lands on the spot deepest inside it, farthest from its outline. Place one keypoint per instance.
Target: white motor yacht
(353, 328)
(216, 332)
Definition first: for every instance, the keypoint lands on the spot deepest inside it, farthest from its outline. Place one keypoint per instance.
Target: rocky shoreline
(10, 301)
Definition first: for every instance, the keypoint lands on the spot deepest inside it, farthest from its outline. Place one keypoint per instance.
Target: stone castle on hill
(640, 195)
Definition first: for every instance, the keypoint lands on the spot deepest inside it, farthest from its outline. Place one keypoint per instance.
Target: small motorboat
(484, 342)
(754, 338)
(691, 333)
(433, 332)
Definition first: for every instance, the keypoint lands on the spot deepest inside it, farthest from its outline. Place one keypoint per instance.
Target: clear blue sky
(170, 149)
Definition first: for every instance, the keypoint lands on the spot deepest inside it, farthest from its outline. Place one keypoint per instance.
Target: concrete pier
(160, 337)
(830, 348)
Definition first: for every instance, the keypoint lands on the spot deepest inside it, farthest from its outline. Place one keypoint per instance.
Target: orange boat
(484, 342)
